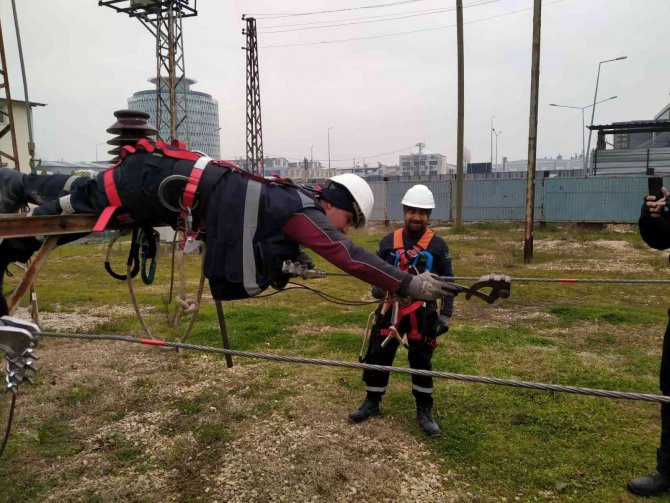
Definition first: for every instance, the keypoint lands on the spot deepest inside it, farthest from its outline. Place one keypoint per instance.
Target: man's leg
(658, 481)
(375, 382)
(420, 356)
(56, 194)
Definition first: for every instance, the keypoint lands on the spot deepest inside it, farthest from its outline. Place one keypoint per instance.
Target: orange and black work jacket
(416, 255)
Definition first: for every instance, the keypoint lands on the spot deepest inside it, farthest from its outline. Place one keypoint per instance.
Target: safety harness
(414, 260)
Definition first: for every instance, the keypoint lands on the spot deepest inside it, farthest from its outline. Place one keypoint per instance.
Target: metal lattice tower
(7, 114)
(163, 18)
(254, 125)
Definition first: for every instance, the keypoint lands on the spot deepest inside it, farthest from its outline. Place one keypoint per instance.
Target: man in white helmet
(251, 225)
(414, 248)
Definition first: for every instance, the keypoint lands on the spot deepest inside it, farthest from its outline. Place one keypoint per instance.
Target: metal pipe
(31, 143)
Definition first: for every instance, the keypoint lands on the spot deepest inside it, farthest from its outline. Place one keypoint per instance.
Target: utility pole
(163, 19)
(254, 125)
(459, 120)
(532, 133)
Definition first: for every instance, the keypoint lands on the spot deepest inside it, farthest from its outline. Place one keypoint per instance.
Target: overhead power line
(391, 4)
(326, 42)
(369, 19)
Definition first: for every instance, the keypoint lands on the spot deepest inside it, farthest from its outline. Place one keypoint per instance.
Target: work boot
(369, 408)
(424, 416)
(650, 485)
(11, 191)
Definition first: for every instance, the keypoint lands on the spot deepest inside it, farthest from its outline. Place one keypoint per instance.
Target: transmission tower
(254, 125)
(163, 18)
(6, 112)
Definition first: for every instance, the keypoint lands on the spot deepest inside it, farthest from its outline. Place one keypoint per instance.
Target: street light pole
(492, 117)
(332, 127)
(595, 96)
(96, 150)
(583, 125)
(497, 133)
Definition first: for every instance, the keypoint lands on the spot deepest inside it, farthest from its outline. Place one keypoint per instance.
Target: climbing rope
(367, 366)
(577, 280)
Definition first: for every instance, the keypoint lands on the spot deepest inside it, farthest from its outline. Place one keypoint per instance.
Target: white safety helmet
(360, 191)
(419, 196)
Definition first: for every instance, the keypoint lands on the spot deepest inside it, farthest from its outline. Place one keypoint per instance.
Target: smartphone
(655, 183)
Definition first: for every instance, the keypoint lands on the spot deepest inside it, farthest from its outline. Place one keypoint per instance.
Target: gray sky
(380, 94)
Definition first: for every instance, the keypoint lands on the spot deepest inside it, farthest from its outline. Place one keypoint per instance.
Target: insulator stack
(130, 126)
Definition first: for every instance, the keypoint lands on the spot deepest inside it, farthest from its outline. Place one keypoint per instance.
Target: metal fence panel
(613, 199)
(595, 199)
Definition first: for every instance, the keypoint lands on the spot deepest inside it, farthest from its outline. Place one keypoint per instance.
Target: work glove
(305, 259)
(442, 324)
(378, 293)
(428, 286)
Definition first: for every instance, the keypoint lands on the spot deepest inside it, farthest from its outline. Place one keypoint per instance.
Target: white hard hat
(360, 192)
(419, 196)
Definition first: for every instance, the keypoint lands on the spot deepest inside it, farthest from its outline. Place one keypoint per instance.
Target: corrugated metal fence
(606, 199)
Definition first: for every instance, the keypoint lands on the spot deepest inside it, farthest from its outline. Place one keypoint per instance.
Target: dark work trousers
(137, 180)
(419, 356)
(663, 453)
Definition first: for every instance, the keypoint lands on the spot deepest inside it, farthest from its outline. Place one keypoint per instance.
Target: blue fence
(606, 199)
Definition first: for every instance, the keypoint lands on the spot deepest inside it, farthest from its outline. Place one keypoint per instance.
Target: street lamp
(492, 117)
(595, 96)
(332, 127)
(583, 127)
(96, 149)
(497, 133)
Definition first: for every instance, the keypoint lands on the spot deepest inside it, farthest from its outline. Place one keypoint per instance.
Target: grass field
(114, 422)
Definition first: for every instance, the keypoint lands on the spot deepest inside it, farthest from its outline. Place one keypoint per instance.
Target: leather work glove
(428, 286)
(378, 293)
(442, 324)
(305, 259)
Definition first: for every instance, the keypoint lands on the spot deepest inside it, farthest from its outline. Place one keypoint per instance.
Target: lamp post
(332, 127)
(595, 96)
(492, 117)
(497, 133)
(96, 149)
(583, 127)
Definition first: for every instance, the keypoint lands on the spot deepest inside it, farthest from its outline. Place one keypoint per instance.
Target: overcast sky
(379, 95)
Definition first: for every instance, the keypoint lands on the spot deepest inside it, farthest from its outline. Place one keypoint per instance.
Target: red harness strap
(405, 256)
(175, 150)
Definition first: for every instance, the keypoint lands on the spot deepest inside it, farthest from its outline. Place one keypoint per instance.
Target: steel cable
(382, 368)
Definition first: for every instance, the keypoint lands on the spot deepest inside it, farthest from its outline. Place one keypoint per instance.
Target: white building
(21, 129)
(423, 162)
(202, 118)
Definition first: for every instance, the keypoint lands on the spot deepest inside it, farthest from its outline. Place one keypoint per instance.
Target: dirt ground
(305, 451)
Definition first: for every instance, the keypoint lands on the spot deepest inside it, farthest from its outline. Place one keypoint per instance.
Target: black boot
(12, 197)
(424, 416)
(650, 485)
(369, 408)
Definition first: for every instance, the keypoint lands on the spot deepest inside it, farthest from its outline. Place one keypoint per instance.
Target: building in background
(546, 164)
(21, 129)
(422, 163)
(202, 119)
